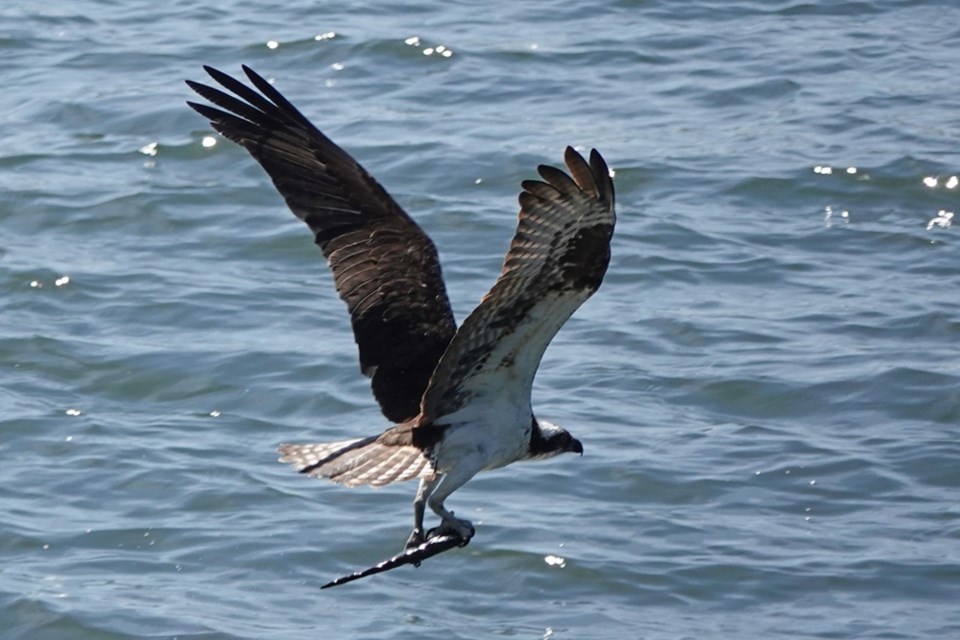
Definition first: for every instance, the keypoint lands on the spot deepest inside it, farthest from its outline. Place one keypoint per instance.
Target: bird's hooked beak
(575, 447)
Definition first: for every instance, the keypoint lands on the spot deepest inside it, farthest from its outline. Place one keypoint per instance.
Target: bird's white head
(548, 440)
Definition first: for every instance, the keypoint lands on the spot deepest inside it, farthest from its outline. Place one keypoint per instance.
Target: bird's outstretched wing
(557, 259)
(385, 267)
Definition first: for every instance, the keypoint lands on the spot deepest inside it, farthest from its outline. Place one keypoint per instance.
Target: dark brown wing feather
(385, 267)
(557, 259)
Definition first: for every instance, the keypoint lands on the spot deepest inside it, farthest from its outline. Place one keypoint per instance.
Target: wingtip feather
(581, 172)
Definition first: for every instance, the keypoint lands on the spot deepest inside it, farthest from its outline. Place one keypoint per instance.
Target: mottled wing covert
(557, 259)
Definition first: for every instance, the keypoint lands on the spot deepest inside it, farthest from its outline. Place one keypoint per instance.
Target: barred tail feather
(358, 462)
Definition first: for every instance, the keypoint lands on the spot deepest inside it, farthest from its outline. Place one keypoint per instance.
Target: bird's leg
(417, 537)
(449, 524)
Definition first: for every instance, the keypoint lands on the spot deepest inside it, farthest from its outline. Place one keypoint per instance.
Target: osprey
(459, 398)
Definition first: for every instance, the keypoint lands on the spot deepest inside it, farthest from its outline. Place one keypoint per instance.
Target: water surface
(767, 385)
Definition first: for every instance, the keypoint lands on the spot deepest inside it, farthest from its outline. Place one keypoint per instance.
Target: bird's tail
(358, 462)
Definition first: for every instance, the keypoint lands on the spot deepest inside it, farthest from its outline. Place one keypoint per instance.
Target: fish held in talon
(458, 398)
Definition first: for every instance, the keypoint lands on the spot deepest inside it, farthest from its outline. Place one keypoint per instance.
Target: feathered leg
(427, 485)
(450, 524)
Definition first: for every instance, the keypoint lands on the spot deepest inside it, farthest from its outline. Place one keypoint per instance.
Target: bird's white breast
(493, 438)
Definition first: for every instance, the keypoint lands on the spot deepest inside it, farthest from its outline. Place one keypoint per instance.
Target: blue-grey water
(767, 385)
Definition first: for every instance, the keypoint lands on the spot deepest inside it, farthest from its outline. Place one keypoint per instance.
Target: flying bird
(459, 398)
